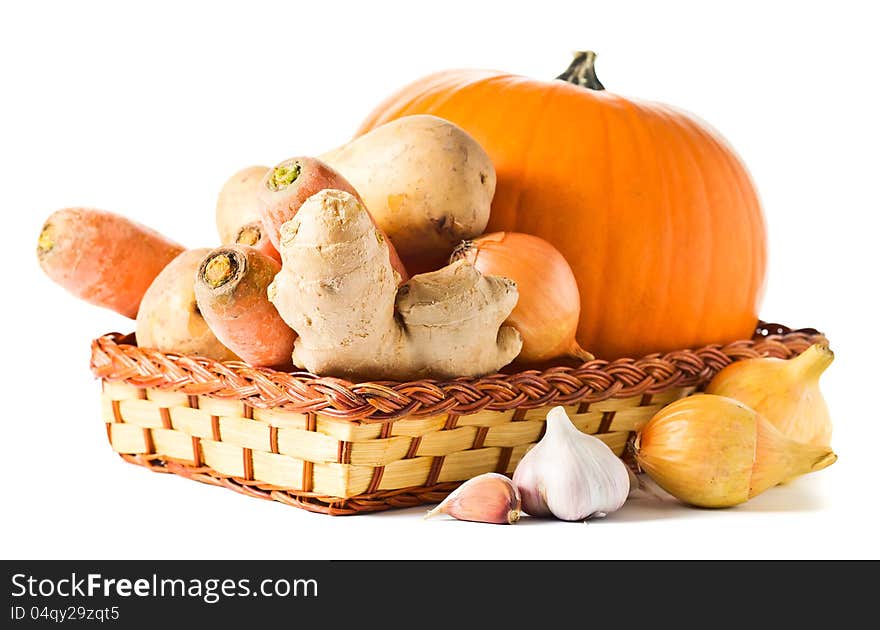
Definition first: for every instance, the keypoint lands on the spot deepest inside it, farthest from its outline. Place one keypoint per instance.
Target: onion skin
(548, 309)
(713, 451)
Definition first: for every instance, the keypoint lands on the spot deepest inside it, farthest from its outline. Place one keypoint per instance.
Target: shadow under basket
(332, 446)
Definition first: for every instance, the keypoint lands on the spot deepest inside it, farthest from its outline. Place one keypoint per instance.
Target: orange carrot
(103, 258)
(286, 186)
(231, 293)
(253, 235)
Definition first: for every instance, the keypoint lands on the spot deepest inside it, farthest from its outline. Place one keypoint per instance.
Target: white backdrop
(146, 109)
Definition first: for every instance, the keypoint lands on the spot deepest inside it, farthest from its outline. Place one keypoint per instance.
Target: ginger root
(338, 290)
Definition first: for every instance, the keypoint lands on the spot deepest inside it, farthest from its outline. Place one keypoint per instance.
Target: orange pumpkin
(653, 210)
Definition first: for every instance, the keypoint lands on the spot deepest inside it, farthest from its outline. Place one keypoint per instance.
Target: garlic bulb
(570, 474)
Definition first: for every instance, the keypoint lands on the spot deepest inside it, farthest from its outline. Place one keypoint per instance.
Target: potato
(169, 319)
(237, 203)
(426, 182)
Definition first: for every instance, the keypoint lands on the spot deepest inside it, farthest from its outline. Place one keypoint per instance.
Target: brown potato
(169, 319)
(237, 203)
(427, 183)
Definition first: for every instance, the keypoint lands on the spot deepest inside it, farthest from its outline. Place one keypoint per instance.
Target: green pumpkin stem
(582, 71)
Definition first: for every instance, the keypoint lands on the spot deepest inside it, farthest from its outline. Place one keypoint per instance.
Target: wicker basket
(332, 446)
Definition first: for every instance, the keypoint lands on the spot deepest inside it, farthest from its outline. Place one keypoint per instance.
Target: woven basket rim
(115, 357)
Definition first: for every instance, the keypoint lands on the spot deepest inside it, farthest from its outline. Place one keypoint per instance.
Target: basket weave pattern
(337, 447)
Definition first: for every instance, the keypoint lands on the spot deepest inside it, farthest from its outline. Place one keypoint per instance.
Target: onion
(547, 312)
(714, 451)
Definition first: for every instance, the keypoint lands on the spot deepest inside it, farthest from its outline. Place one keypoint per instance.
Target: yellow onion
(714, 451)
(548, 309)
(785, 392)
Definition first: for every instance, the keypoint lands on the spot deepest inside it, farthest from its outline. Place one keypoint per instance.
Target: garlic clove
(569, 474)
(486, 498)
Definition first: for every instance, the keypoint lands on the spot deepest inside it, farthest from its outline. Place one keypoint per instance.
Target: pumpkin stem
(582, 71)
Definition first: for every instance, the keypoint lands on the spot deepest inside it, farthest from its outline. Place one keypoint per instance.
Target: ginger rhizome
(338, 290)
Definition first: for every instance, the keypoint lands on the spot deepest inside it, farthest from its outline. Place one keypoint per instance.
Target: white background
(145, 109)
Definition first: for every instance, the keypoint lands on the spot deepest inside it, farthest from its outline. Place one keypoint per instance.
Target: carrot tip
(283, 176)
(46, 241)
(220, 269)
(250, 234)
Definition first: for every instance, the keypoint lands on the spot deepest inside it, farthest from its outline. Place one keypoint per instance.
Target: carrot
(231, 291)
(286, 186)
(253, 235)
(103, 258)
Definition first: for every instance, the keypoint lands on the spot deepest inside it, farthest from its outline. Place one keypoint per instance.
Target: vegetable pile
(451, 238)
(653, 210)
